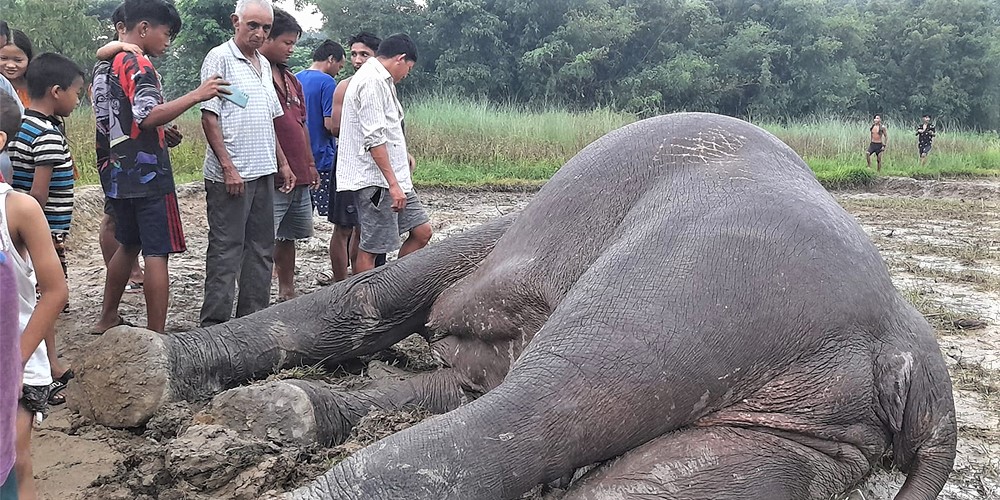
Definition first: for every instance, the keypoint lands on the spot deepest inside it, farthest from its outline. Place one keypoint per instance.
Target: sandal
(325, 278)
(133, 287)
(56, 397)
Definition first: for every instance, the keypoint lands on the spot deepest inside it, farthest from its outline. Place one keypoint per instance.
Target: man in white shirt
(372, 157)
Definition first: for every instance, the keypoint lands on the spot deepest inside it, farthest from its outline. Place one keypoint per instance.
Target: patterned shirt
(39, 144)
(372, 116)
(924, 138)
(248, 133)
(133, 162)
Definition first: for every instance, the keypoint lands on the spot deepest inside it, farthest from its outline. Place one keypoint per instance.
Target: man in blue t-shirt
(318, 85)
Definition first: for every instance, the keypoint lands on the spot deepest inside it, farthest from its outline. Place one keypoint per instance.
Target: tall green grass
(468, 143)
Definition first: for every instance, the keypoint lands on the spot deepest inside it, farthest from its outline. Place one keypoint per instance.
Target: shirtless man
(879, 141)
(342, 212)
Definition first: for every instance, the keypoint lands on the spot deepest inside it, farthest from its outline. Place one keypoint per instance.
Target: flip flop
(121, 322)
(133, 287)
(325, 278)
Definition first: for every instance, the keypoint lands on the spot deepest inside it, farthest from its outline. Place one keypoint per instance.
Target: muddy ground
(940, 239)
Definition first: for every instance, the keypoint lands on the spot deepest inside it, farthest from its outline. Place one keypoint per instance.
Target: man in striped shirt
(39, 153)
(372, 159)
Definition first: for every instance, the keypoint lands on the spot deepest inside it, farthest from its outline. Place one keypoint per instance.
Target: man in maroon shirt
(292, 210)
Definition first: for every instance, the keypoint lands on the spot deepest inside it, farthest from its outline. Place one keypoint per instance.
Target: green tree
(205, 24)
(68, 30)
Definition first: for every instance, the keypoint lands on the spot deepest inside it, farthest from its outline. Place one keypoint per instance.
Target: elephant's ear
(892, 385)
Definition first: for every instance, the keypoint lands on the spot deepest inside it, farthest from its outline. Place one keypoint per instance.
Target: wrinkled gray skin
(129, 373)
(684, 302)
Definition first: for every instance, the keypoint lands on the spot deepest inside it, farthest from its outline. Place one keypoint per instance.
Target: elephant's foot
(124, 378)
(303, 412)
(128, 375)
(724, 463)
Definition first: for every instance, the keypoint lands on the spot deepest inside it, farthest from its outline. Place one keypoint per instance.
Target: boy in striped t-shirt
(39, 152)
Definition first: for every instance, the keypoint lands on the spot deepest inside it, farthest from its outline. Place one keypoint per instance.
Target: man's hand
(234, 183)
(313, 177)
(214, 86)
(412, 161)
(173, 135)
(287, 178)
(398, 198)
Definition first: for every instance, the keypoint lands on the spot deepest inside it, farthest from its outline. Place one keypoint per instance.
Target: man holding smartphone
(241, 160)
(372, 159)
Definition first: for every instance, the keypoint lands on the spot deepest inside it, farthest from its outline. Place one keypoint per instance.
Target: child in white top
(27, 246)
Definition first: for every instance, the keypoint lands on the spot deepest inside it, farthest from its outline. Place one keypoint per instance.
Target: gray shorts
(380, 226)
(293, 214)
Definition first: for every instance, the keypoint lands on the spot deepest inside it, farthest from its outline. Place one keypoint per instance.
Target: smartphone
(237, 97)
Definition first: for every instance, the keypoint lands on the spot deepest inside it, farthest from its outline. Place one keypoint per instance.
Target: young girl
(28, 258)
(14, 59)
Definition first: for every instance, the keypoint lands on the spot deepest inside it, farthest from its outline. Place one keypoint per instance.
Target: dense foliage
(767, 59)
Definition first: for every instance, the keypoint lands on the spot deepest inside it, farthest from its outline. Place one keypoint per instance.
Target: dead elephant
(682, 303)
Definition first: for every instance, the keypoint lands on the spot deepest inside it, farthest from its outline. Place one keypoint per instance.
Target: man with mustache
(241, 160)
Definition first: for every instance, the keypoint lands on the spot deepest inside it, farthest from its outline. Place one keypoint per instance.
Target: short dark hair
(397, 44)
(369, 39)
(4, 30)
(926, 115)
(10, 117)
(876, 115)
(328, 49)
(283, 23)
(154, 12)
(21, 41)
(50, 70)
(118, 15)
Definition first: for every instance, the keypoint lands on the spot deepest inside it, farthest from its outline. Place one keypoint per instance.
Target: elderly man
(242, 157)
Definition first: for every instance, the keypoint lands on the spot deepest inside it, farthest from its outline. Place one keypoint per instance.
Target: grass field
(459, 143)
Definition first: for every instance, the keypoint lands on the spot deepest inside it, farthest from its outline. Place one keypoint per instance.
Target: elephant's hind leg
(725, 463)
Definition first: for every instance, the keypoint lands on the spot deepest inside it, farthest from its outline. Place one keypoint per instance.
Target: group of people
(281, 147)
(880, 140)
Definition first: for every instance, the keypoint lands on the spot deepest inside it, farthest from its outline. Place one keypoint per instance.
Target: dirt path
(941, 240)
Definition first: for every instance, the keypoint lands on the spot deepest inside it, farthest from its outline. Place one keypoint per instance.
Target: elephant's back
(684, 162)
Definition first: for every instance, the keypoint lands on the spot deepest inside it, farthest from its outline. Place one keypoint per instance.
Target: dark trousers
(240, 242)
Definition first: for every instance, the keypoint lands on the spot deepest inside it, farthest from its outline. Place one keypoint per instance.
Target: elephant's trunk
(131, 372)
(928, 473)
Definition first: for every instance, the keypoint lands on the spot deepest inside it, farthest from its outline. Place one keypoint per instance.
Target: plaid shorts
(59, 241)
(35, 399)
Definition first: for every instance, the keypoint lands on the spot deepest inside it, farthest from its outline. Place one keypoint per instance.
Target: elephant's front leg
(129, 373)
(306, 412)
(721, 463)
